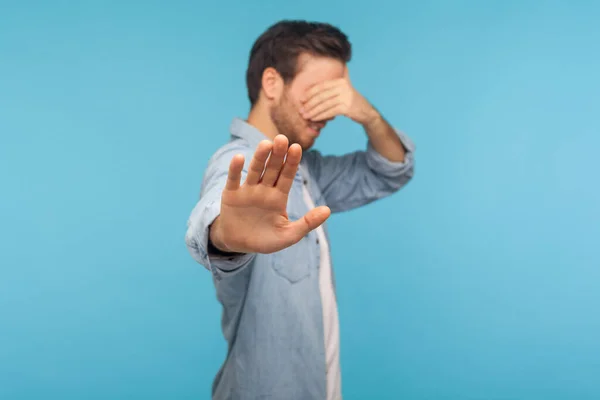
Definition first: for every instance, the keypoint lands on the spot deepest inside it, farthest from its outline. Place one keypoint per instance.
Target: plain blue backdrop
(480, 280)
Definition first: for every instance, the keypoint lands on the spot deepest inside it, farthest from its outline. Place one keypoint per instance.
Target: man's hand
(253, 216)
(329, 99)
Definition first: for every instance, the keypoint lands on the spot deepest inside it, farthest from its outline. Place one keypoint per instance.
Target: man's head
(286, 60)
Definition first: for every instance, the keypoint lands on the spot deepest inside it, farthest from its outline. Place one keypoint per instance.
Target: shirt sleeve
(355, 179)
(206, 210)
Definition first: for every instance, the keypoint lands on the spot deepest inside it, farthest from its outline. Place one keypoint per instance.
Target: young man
(259, 224)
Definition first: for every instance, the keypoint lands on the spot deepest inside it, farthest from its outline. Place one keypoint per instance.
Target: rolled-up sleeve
(385, 167)
(355, 179)
(206, 210)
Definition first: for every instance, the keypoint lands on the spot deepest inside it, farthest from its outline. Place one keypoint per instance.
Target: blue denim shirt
(272, 316)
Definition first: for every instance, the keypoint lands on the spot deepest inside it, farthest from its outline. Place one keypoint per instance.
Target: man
(259, 225)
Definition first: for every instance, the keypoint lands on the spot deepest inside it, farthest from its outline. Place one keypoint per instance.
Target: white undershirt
(330, 313)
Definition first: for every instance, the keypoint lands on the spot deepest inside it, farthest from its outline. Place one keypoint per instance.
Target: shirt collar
(242, 129)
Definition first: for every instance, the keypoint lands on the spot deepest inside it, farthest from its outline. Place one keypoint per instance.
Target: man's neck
(260, 119)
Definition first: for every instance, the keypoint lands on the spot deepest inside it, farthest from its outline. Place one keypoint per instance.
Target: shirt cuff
(196, 240)
(392, 168)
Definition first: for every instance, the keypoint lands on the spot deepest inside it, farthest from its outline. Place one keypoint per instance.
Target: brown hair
(281, 44)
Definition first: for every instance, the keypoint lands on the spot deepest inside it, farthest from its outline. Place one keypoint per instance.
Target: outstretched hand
(253, 216)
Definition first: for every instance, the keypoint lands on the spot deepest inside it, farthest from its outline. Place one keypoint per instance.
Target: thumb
(311, 220)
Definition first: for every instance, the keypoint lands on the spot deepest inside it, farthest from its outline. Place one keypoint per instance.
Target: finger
(311, 220)
(257, 164)
(321, 108)
(288, 172)
(319, 98)
(280, 147)
(235, 172)
(327, 114)
(319, 87)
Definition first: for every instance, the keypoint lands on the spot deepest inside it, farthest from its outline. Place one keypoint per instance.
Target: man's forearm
(383, 137)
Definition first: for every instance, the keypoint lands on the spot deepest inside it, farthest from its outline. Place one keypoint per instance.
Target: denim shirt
(272, 317)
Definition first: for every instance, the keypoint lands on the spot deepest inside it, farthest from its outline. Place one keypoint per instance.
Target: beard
(288, 122)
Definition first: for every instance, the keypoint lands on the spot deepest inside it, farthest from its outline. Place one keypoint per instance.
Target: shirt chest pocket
(295, 262)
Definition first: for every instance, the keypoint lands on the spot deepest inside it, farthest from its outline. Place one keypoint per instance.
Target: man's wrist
(214, 250)
(371, 118)
(214, 238)
(215, 243)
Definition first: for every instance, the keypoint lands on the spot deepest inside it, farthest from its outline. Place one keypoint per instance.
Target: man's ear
(272, 84)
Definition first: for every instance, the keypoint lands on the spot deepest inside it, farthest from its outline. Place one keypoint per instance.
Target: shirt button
(305, 181)
(317, 241)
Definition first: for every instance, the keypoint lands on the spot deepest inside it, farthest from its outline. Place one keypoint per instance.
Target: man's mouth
(316, 128)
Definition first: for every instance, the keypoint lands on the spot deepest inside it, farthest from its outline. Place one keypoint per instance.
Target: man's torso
(280, 316)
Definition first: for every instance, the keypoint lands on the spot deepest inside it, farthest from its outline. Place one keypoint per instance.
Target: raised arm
(355, 179)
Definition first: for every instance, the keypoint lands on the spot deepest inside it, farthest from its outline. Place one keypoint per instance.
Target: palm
(253, 216)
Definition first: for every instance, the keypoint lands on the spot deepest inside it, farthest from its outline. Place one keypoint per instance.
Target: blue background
(480, 280)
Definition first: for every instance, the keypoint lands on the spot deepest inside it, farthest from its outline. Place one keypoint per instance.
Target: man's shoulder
(224, 154)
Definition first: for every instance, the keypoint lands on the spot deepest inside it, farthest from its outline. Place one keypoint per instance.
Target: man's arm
(361, 177)
(248, 218)
(204, 214)
(384, 139)
(356, 179)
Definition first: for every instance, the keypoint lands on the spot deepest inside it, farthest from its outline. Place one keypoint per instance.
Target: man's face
(286, 113)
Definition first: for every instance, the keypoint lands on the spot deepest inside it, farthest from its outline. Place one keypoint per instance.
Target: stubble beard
(283, 119)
